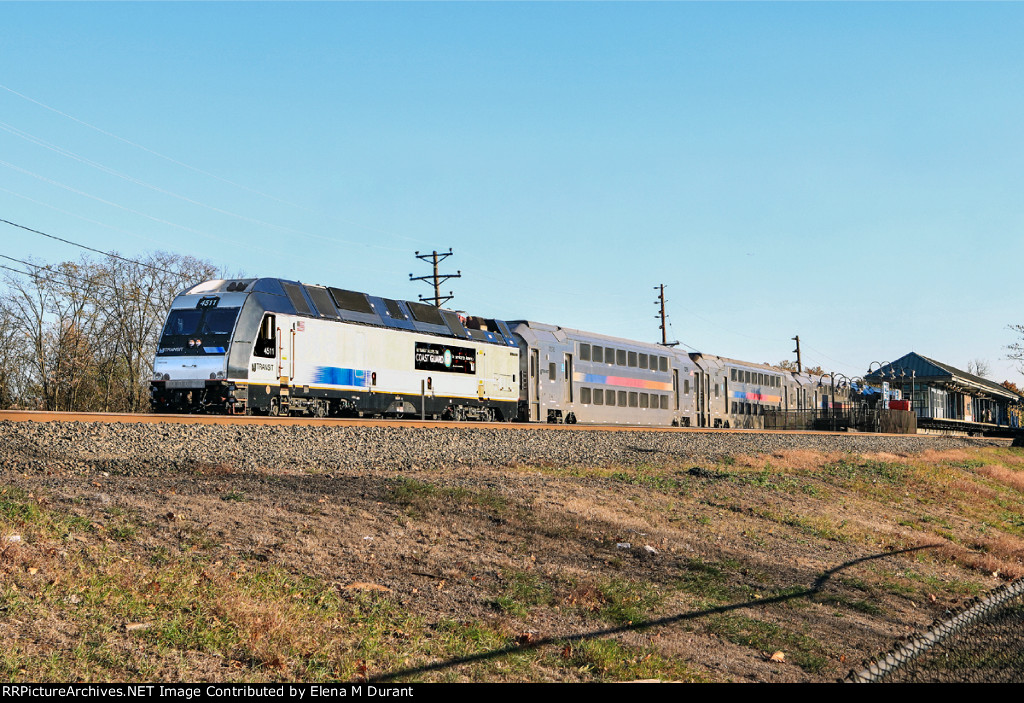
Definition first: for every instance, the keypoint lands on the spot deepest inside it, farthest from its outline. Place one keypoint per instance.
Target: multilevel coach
(271, 346)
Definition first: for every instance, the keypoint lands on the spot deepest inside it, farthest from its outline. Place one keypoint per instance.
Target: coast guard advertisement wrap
(445, 358)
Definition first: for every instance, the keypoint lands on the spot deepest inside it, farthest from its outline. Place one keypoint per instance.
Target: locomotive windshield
(182, 322)
(219, 321)
(210, 327)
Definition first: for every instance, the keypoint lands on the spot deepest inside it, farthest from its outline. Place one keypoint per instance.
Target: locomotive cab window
(266, 340)
(182, 322)
(219, 321)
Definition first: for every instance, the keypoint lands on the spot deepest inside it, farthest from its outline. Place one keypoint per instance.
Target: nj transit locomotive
(270, 346)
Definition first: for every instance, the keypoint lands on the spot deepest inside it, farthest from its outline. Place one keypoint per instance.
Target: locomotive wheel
(275, 407)
(320, 409)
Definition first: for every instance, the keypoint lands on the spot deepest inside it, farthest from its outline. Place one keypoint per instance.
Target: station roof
(932, 372)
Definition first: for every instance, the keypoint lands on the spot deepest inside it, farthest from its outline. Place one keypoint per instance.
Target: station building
(942, 392)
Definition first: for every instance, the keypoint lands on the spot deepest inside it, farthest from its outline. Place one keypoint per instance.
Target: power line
(128, 209)
(49, 268)
(80, 217)
(146, 149)
(83, 246)
(212, 175)
(184, 198)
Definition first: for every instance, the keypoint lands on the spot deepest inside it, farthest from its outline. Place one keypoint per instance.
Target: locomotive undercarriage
(214, 397)
(220, 398)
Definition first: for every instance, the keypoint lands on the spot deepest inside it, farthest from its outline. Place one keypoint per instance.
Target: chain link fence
(981, 643)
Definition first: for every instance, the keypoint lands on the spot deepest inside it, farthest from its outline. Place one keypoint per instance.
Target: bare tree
(82, 335)
(15, 354)
(979, 367)
(1015, 351)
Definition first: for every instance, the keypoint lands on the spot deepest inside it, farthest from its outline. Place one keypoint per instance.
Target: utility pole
(664, 327)
(437, 278)
(799, 365)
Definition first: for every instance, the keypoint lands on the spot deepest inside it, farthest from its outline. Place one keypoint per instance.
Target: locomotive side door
(286, 342)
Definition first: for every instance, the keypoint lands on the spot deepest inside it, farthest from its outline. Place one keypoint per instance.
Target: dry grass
(947, 456)
(972, 488)
(536, 555)
(1007, 477)
(804, 460)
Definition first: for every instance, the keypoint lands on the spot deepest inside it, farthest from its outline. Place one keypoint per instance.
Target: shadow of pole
(817, 587)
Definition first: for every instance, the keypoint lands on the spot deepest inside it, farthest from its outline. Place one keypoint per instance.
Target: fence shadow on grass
(815, 588)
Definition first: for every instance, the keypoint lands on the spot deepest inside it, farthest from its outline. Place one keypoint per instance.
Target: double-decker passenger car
(574, 376)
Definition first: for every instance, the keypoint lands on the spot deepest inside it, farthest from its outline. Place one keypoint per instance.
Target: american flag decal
(300, 326)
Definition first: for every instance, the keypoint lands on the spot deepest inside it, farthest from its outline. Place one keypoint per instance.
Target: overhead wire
(79, 217)
(128, 209)
(184, 198)
(207, 173)
(83, 246)
(148, 150)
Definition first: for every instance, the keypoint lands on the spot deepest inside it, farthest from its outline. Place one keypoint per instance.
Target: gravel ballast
(144, 448)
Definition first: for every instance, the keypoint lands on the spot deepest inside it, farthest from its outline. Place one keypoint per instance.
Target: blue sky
(848, 172)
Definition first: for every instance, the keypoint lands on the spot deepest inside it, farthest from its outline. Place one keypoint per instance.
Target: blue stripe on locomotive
(336, 376)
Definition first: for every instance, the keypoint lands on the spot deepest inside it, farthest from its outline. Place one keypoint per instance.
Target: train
(269, 346)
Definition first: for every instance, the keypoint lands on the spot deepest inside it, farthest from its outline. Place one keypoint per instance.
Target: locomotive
(276, 347)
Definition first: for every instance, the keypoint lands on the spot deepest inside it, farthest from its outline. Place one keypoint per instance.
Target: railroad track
(151, 418)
